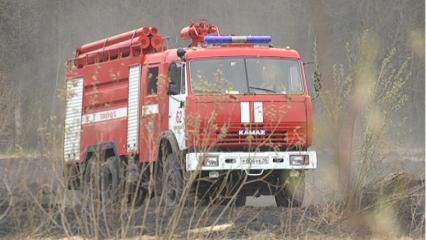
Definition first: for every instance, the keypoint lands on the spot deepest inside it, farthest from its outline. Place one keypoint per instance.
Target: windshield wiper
(262, 89)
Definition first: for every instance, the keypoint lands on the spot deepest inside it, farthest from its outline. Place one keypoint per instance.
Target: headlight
(299, 160)
(211, 161)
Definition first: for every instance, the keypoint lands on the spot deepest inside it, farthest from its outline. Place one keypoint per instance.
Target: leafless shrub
(7, 108)
(360, 104)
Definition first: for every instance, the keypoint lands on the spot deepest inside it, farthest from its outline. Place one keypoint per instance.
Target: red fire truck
(228, 108)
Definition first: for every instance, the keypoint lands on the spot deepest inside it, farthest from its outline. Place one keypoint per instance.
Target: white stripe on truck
(104, 116)
(245, 112)
(258, 112)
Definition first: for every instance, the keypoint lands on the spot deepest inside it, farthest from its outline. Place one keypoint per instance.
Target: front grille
(275, 135)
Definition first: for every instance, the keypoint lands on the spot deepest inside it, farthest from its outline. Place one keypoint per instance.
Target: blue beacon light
(238, 39)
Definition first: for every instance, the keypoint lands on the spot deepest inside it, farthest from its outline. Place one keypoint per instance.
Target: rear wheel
(135, 189)
(101, 179)
(291, 190)
(137, 194)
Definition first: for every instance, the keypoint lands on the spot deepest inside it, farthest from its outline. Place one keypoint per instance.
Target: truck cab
(248, 114)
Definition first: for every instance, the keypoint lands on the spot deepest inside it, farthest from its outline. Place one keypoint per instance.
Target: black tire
(90, 176)
(136, 191)
(291, 190)
(102, 179)
(240, 201)
(72, 177)
(172, 181)
(203, 190)
(230, 190)
(137, 194)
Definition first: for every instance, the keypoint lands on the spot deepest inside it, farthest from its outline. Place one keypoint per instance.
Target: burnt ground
(28, 182)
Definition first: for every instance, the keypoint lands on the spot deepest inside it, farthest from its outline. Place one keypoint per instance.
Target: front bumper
(249, 160)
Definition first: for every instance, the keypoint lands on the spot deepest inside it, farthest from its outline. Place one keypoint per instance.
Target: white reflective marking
(245, 112)
(239, 39)
(258, 112)
(74, 104)
(150, 109)
(104, 116)
(177, 114)
(133, 109)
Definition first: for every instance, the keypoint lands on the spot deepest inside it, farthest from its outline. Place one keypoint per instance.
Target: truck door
(150, 112)
(177, 95)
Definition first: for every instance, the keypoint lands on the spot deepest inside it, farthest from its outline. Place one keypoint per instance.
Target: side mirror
(173, 74)
(317, 82)
(180, 52)
(314, 86)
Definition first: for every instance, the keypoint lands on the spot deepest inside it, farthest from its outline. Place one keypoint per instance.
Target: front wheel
(240, 201)
(291, 190)
(172, 180)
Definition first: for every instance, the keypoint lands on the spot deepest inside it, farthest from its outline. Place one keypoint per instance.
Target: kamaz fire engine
(228, 108)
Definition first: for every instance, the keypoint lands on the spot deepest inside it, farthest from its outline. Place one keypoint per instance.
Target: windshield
(245, 75)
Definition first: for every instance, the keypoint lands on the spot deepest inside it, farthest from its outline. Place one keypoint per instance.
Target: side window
(176, 79)
(295, 81)
(152, 80)
(182, 77)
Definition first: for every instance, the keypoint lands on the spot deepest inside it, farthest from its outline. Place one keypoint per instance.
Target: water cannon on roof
(196, 32)
(203, 33)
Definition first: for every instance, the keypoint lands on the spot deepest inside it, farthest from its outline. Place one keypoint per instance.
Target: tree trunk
(18, 122)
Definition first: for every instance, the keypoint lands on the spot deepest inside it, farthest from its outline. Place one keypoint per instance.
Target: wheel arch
(168, 138)
(106, 150)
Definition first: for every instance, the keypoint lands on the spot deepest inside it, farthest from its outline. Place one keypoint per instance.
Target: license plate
(256, 161)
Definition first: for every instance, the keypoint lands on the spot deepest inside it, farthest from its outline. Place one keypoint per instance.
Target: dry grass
(34, 212)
